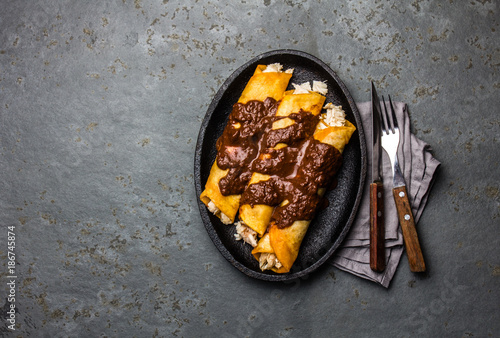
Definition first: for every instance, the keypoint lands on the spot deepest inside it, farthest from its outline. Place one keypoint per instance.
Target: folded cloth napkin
(418, 167)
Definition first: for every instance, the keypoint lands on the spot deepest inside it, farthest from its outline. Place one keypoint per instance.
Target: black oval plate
(330, 226)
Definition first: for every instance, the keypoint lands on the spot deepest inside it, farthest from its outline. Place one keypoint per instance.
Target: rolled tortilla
(267, 81)
(257, 217)
(279, 248)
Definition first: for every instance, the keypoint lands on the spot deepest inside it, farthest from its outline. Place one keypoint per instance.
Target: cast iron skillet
(330, 226)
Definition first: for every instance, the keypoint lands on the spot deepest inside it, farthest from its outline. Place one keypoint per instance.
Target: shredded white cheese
(276, 68)
(305, 88)
(320, 87)
(334, 116)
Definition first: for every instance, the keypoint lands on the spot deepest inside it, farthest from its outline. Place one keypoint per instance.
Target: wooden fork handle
(377, 229)
(413, 250)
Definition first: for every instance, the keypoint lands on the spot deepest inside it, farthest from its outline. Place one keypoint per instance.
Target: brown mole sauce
(296, 171)
(239, 143)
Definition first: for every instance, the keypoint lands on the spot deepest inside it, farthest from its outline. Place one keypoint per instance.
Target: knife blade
(377, 229)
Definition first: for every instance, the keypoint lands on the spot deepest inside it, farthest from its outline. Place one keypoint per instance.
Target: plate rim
(197, 165)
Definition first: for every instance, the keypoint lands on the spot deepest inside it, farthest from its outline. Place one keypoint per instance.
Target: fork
(390, 143)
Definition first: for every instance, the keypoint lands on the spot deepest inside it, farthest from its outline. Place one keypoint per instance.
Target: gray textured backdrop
(100, 107)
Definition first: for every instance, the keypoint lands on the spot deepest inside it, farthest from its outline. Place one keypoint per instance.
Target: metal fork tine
(383, 121)
(393, 113)
(388, 116)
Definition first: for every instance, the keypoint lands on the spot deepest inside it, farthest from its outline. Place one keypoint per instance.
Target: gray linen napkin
(418, 166)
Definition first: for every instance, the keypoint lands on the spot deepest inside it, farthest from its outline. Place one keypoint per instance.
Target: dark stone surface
(100, 108)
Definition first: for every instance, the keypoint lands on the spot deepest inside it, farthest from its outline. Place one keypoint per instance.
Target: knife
(377, 229)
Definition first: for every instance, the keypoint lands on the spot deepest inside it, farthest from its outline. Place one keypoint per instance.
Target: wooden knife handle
(413, 250)
(377, 229)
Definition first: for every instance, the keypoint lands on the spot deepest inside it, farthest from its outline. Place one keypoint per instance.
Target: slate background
(100, 107)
